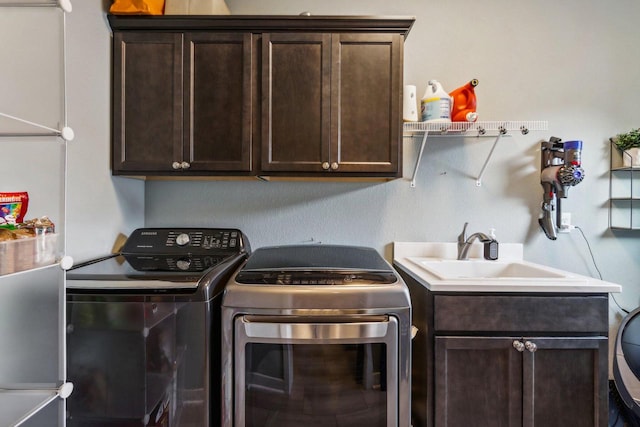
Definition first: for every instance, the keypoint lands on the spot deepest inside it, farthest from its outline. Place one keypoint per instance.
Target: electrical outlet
(565, 222)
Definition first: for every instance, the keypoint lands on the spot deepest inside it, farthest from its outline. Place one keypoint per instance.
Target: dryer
(143, 329)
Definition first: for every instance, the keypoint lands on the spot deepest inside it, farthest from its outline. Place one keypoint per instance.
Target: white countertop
(409, 255)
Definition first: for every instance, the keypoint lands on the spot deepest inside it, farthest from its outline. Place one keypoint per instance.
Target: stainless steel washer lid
(316, 277)
(316, 257)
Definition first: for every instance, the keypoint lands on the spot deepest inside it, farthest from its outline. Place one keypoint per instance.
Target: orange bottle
(464, 103)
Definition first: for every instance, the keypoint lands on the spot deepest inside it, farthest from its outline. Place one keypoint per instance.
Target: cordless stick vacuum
(560, 169)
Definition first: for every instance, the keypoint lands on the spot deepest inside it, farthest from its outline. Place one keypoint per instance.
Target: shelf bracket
(502, 131)
(415, 169)
(65, 133)
(65, 5)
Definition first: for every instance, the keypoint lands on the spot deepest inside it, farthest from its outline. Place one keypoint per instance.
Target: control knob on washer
(183, 264)
(182, 239)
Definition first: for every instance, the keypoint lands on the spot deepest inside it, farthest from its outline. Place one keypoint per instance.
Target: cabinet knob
(176, 165)
(334, 166)
(325, 165)
(518, 345)
(531, 346)
(185, 165)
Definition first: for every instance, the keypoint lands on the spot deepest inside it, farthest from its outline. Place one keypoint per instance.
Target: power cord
(596, 265)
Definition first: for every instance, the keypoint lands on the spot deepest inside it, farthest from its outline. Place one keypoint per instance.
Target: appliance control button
(183, 264)
(182, 239)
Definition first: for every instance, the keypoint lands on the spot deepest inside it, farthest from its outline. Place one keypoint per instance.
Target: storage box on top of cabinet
(25, 254)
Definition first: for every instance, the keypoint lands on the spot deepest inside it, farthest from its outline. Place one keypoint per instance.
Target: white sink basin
(434, 265)
(481, 269)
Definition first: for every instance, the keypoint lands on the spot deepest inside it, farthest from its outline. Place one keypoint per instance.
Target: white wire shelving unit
(479, 129)
(20, 402)
(65, 132)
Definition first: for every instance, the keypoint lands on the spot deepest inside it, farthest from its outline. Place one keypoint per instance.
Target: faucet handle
(462, 237)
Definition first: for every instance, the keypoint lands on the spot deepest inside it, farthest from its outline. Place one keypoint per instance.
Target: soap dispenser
(491, 246)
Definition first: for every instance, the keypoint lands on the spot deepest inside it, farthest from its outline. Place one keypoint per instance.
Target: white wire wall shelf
(480, 129)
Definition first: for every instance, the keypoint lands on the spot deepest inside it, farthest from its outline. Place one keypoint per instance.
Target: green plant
(631, 139)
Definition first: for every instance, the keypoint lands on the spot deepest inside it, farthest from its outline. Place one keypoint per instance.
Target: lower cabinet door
(565, 382)
(515, 381)
(478, 382)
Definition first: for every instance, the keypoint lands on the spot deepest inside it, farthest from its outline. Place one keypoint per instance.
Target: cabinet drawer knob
(531, 346)
(334, 166)
(325, 165)
(518, 345)
(185, 165)
(176, 165)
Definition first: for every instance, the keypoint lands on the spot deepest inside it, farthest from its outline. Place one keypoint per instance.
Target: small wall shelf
(485, 129)
(624, 192)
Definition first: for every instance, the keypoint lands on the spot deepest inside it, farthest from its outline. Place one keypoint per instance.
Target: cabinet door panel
(218, 101)
(565, 382)
(147, 101)
(366, 123)
(478, 382)
(295, 101)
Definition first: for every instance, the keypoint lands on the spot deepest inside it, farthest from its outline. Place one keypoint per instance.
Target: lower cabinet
(508, 360)
(512, 381)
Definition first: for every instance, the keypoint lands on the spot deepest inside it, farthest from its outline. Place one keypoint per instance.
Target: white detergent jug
(436, 104)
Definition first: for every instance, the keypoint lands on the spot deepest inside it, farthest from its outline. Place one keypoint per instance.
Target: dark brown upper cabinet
(281, 96)
(182, 103)
(331, 103)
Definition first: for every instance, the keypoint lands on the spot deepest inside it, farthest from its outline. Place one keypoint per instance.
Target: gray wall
(568, 63)
(571, 63)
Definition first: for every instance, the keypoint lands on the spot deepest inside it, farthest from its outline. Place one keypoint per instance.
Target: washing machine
(143, 329)
(316, 335)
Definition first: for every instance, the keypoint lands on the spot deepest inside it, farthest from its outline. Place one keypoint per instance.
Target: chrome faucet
(464, 243)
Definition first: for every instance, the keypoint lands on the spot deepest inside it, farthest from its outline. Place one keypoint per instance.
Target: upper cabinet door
(296, 82)
(218, 101)
(331, 103)
(366, 123)
(147, 101)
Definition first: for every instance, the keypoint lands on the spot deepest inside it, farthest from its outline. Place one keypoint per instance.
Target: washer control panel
(181, 249)
(184, 241)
